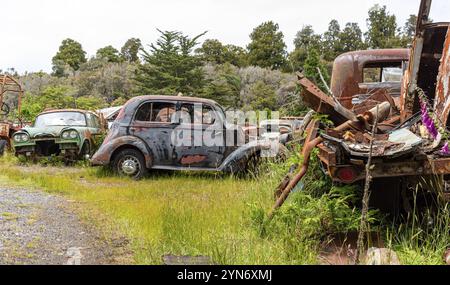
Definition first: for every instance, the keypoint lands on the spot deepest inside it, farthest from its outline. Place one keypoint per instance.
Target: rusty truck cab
(360, 79)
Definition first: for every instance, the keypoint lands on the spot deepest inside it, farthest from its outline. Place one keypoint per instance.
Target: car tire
(130, 163)
(85, 150)
(3, 146)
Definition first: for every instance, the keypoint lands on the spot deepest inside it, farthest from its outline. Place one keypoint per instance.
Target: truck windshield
(60, 119)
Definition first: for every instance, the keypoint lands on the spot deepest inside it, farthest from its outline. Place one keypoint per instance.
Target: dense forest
(260, 76)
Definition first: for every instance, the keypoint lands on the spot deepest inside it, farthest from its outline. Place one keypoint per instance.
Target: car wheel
(85, 150)
(131, 163)
(3, 145)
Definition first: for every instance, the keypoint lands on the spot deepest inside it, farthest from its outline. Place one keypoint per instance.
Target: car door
(199, 142)
(94, 130)
(153, 123)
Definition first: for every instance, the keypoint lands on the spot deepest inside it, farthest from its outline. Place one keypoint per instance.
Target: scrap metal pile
(411, 91)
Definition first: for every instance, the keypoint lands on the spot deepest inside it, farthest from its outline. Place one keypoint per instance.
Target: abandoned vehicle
(283, 130)
(399, 123)
(68, 133)
(175, 133)
(11, 93)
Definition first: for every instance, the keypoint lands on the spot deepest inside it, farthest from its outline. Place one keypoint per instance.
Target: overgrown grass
(224, 217)
(168, 213)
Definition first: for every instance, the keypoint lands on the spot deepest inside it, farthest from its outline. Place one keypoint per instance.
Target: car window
(160, 112)
(92, 121)
(208, 115)
(384, 72)
(60, 119)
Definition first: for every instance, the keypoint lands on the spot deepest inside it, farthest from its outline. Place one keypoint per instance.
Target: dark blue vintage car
(177, 133)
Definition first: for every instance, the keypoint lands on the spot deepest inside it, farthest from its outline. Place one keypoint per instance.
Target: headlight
(21, 138)
(69, 135)
(73, 134)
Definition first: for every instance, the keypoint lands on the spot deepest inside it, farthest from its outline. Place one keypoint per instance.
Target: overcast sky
(34, 29)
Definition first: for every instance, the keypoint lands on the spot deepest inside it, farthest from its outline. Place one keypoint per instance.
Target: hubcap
(130, 165)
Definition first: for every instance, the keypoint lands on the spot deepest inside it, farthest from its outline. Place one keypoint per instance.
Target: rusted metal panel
(348, 71)
(442, 103)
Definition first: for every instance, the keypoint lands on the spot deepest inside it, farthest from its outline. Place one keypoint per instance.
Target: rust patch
(192, 159)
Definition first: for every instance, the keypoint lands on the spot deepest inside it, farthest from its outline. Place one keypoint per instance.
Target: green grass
(223, 217)
(168, 213)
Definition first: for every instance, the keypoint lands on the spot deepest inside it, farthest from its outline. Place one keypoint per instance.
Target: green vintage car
(68, 133)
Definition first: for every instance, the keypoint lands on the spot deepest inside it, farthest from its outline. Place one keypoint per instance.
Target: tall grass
(224, 217)
(168, 213)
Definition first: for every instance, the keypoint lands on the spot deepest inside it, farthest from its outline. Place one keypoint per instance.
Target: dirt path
(39, 228)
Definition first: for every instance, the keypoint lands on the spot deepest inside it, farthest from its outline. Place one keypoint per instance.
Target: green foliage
(312, 63)
(332, 44)
(409, 30)
(170, 67)
(53, 97)
(56, 97)
(225, 87)
(70, 54)
(267, 48)
(213, 51)
(263, 97)
(351, 38)
(90, 103)
(109, 54)
(130, 50)
(382, 29)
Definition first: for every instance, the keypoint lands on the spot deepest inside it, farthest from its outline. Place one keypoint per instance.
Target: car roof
(175, 98)
(67, 110)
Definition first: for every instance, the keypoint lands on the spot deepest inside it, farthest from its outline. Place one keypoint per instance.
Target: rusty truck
(390, 105)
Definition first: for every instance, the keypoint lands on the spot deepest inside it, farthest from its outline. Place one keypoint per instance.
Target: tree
(169, 66)
(237, 55)
(71, 54)
(409, 30)
(225, 87)
(109, 54)
(213, 51)
(331, 41)
(313, 62)
(382, 29)
(130, 50)
(263, 96)
(305, 39)
(351, 38)
(267, 48)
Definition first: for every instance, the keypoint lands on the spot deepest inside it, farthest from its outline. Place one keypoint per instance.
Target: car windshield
(60, 119)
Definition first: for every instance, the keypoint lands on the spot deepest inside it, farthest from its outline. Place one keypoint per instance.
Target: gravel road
(39, 228)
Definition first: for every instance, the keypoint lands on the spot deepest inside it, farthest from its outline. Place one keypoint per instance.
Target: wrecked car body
(9, 85)
(67, 133)
(408, 144)
(175, 133)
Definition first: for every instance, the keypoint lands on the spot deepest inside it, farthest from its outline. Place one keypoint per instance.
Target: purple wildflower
(445, 149)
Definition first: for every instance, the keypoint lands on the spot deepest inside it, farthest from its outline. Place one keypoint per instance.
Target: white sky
(34, 29)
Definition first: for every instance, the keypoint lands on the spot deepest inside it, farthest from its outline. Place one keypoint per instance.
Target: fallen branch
(366, 196)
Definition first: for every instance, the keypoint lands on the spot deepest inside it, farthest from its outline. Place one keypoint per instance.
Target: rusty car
(69, 133)
(399, 123)
(8, 126)
(175, 133)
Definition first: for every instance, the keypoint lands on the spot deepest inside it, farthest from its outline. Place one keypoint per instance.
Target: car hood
(48, 131)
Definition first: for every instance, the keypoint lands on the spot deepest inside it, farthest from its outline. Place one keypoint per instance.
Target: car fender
(104, 153)
(232, 162)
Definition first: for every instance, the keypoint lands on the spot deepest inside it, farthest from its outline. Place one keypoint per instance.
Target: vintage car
(110, 114)
(68, 133)
(176, 133)
(283, 130)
